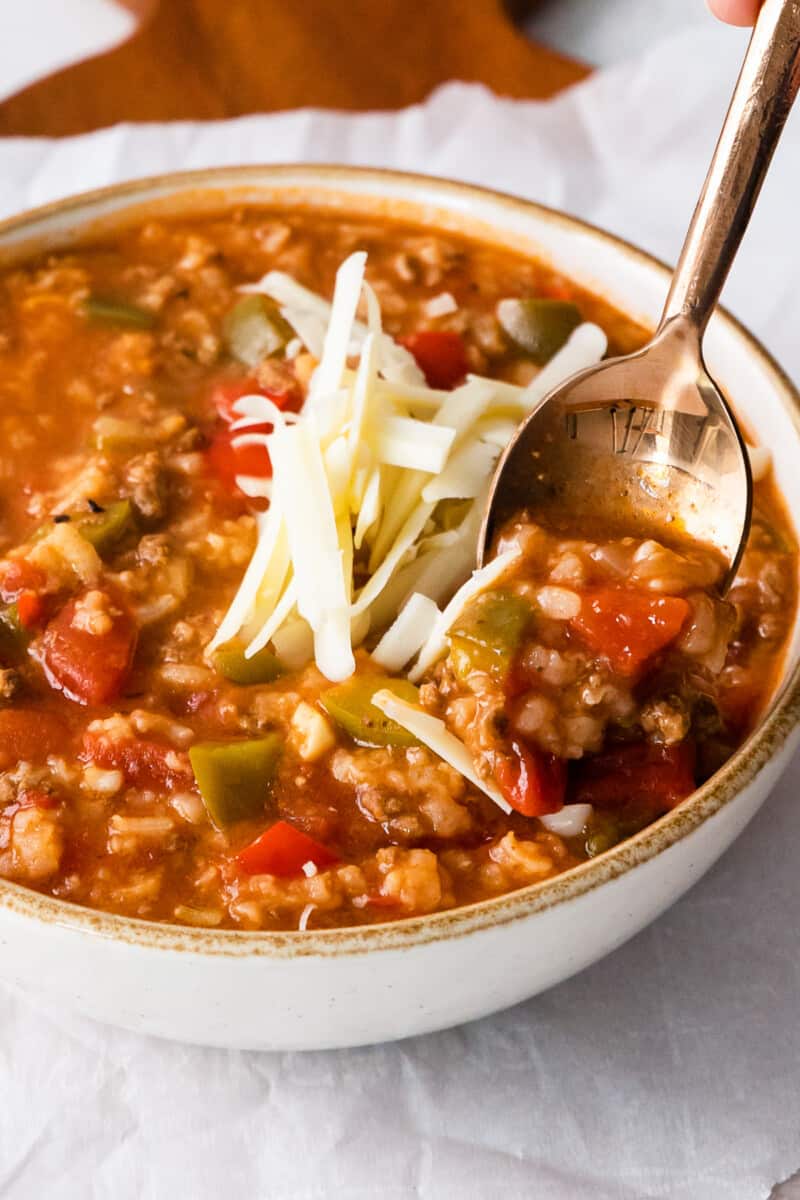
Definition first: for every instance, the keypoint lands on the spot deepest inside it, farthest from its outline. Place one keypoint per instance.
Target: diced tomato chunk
(30, 609)
(90, 668)
(441, 356)
(145, 764)
(628, 627)
(226, 461)
(533, 783)
(283, 850)
(642, 775)
(18, 576)
(30, 735)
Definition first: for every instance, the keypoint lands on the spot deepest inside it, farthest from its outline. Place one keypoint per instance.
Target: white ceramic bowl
(340, 988)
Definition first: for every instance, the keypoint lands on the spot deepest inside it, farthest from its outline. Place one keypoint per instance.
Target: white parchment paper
(672, 1068)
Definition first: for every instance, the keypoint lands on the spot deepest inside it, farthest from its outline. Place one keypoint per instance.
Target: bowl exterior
(314, 1002)
(291, 992)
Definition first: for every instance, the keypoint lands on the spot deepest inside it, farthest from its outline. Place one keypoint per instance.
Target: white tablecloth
(668, 1070)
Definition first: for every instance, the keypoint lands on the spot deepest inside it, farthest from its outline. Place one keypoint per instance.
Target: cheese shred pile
(357, 540)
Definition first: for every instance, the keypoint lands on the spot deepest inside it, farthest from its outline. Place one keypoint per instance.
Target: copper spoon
(647, 443)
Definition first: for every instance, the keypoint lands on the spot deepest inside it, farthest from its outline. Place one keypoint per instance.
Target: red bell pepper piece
(20, 576)
(532, 782)
(283, 850)
(90, 668)
(226, 392)
(441, 356)
(643, 775)
(629, 627)
(225, 460)
(30, 609)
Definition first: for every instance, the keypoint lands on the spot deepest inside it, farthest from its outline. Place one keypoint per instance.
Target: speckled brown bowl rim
(766, 740)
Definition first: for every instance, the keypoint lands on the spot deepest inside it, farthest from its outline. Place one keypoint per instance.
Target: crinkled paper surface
(672, 1068)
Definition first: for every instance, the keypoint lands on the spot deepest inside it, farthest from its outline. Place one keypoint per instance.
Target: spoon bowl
(646, 444)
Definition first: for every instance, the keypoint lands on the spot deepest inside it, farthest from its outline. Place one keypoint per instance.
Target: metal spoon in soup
(647, 443)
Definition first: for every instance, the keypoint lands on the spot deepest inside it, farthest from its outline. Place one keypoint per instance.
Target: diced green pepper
(603, 832)
(105, 310)
(115, 433)
(537, 326)
(14, 637)
(350, 705)
(254, 329)
(230, 662)
(106, 529)
(449, 514)
(766, 535)
(234, 777)
(487, 635)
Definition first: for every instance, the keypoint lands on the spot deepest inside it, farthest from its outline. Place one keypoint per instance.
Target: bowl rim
(763, 743)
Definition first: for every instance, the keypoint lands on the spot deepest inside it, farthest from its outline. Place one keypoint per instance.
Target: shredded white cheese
(570, 821)
(294, 643)
(465, 475)
(585, 347)
(305, 916)
(350, 539)
(417, 445)
(403, 544)
(412, 628)
(349, 279)
(434, 734)
(254, 486)
(322, 590)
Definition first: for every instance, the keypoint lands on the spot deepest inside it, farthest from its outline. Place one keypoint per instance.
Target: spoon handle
(764, 93)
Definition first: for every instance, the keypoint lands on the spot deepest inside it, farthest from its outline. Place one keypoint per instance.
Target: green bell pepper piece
(539, 327)
(350, 705)
(14, 637)
(254, 329)
(105, 530)
(487, 635)
(449, 514)
(106, 310)
(230, 662)
(602, 834)
(234, 777)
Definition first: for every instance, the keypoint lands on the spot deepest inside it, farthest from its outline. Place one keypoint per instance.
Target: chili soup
(249, 677)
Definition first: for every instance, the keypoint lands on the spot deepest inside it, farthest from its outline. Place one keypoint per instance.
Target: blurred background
(603, 31)
(41, 36)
